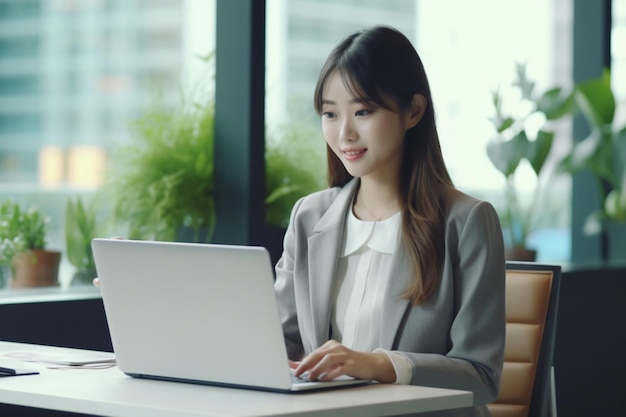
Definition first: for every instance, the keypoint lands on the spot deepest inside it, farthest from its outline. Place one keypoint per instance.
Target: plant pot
(519, 253)
(36, 268)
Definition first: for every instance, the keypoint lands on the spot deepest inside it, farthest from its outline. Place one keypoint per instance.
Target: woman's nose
(347, 132)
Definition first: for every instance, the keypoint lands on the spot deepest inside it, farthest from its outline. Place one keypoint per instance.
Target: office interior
(589, 368)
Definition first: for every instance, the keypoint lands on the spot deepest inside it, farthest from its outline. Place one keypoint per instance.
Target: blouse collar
(381, 236)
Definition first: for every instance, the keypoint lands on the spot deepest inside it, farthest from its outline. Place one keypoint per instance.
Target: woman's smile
(354, 154)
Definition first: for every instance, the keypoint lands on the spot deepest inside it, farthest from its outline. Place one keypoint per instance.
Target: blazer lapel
(324, 247)
(394, 304)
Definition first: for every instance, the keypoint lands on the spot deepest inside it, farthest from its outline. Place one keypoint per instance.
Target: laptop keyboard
(300, 379)
(305, 378)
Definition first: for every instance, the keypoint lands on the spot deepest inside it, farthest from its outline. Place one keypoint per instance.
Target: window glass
(74, 74)
(469, 49)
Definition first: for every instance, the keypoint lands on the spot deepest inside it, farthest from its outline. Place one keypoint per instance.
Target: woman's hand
(333, 359)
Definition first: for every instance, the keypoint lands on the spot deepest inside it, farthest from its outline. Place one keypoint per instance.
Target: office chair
(527, 385)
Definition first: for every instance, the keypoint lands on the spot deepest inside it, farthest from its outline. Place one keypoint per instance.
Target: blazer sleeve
(475, 275)
(285, 291)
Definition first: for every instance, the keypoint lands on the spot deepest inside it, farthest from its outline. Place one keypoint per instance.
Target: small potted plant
(524, 136)
(24, 254)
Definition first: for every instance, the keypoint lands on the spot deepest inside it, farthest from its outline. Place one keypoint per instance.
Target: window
(73, 76)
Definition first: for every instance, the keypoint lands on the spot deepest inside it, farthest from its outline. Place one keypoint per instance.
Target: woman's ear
(415, 113)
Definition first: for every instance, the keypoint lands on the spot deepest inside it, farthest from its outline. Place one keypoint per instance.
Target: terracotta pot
(518, 253)
(36, 268)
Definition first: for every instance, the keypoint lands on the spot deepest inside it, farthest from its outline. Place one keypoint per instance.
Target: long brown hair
(379, 64)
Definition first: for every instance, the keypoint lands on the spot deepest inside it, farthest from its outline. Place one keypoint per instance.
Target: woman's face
(367, 138)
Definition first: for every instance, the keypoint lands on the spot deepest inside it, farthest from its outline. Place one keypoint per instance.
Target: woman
(391, 274)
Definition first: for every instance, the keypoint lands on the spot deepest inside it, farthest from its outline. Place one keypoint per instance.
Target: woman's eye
(328, 115)
(363, 112)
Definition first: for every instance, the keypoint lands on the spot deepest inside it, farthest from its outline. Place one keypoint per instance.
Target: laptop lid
(190, 312)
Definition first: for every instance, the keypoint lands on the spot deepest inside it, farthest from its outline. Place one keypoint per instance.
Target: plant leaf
(539, 149)
(525, 85)
(596, 101)
(555, 103)
(620, 142)
(595, 153)
(506, 155)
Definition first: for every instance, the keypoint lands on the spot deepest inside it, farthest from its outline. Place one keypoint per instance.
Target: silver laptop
(196, 313)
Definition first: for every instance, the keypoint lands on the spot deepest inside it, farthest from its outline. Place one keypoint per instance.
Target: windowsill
(48, 294)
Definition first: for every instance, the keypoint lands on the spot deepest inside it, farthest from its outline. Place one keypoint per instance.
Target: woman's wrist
(385, 371)
(403, 369)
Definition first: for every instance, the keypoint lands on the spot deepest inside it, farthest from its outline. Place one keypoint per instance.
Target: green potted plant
(24, 254)
(524, 137)
(160, 185)
(163, 180)
(602, 153)
(81, 226)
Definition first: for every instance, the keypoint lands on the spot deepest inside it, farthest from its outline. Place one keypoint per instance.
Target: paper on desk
(67, 359)
(13, 367)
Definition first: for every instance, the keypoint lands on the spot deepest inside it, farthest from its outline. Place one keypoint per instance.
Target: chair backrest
(532, 292)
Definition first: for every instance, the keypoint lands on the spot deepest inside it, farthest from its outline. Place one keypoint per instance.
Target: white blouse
(364, 268)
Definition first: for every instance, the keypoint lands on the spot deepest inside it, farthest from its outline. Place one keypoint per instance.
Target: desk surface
(110, 392)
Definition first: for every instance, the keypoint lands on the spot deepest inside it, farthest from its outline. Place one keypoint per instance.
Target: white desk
(109, 392)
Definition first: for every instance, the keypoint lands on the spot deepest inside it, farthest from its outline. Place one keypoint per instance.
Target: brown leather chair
(527, 386)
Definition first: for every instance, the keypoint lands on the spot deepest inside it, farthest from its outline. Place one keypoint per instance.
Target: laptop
(197, 313)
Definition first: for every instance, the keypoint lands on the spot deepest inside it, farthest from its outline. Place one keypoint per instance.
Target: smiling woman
(398, 237)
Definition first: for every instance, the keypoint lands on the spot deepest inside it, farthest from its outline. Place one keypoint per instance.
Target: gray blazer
(455, 339)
